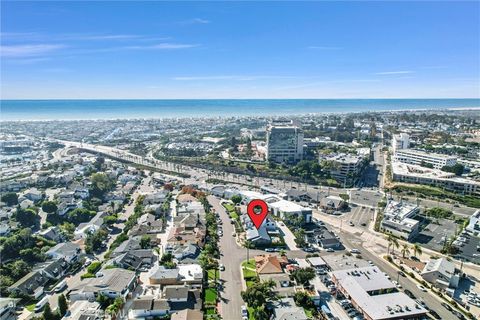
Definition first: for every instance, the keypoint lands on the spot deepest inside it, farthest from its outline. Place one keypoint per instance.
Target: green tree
(300, 237)
(259, 293)
(95, 240)
(48, 314)
(417, 249)
(304, 275)
(10, 198)
(236, 199)
(145, 242)
(101, 184)
(62, 305)
(392, 243)
(27, 217)
(115, 307)
(49, 206)
(80, 215)
(303, 300)
(405, 250)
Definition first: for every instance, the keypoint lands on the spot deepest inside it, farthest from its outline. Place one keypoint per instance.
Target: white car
(244, 311)
(221, 267)
(398, 285)
(355, 251)
(421, 288)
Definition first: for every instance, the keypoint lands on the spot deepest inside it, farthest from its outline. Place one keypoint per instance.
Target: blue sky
(240, 50)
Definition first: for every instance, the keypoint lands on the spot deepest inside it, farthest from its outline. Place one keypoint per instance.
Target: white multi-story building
(411, 173)
(284, 142)
(345, 166)
(397, 219)
(400, 141)
(417, 157)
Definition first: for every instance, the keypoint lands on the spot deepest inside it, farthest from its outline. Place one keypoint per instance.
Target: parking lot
(469, 250)
(358, 216)
(433, 235)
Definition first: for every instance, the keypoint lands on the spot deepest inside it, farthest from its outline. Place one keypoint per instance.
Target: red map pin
(257, 211)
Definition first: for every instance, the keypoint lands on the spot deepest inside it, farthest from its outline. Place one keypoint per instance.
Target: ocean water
(124, 109)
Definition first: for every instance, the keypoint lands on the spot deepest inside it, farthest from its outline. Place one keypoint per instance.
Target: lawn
(249, 264)
(210, 295)
(249, 273)
(30, 307)
(309, 313)
(211, 311)
(230, 207)
(211, 274)
(234, 215)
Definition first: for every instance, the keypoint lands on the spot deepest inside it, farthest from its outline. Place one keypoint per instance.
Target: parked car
(355, 251)
(330, 250)
(221, 267)
(447, 306)
(435, 315)
(269, 250)
(244, 311)
(410, 294)
(421, 288)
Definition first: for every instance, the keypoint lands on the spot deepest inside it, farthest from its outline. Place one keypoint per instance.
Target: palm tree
(247, 245)
(392, 243)
(405, 250)
(417, 249)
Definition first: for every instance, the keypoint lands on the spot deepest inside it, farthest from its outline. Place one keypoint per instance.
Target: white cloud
(28, 50)
(383, 73)
(195, 21)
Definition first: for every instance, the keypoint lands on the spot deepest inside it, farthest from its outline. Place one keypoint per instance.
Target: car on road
(244, 311)
(370, 262)
(221, 267)
(41, 304)
(402, 273)
(269, 250)
(421, 288)
(410, 294)
(330, 250)
(447, 306)
(351, 224)
(435, 315)
(363, 224)
(397, 284)
(355, 251)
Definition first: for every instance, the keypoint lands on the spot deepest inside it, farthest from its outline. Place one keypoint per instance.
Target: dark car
(401, 273)
(435, 315)
(410, 294)
(447, 306)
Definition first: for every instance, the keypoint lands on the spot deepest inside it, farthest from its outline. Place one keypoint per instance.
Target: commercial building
(278, 206)
(400, 141)
(284, 142)
(441, 273)
(374, 295)
(344, 166)
(410, 173)
(417, 157)
(397, 219)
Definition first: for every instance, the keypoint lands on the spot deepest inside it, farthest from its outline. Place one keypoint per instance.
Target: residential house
(114, 283)
(268, 264)
(286, 309)
(69, 251)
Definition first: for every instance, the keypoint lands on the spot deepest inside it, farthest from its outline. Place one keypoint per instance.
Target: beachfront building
(397, 219)
(375, 296)
(417, 157)
(284, 142)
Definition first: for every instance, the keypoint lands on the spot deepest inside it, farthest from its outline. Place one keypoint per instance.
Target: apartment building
(418, 157)
(284, 142)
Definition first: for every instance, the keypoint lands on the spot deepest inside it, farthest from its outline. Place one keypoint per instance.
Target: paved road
(351, 237)
(231, 257)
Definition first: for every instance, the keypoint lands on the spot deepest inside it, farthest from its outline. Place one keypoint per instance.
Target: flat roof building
(397, 219)
(374, 295)
(418, 157)
(284, 142)
(400, 141)
(411, 173)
